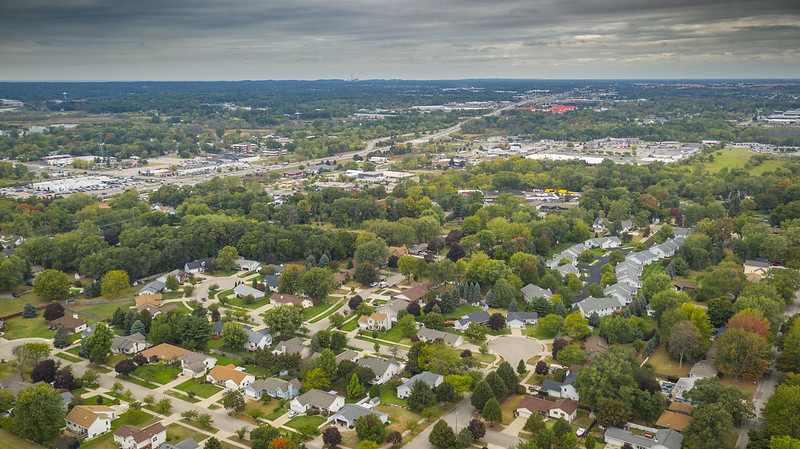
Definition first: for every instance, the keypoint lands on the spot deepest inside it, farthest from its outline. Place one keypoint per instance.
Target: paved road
(7, 347)
(513, 348)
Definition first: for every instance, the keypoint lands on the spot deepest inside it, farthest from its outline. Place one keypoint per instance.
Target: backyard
(204, 390)
(19, 327)
(154, 372)
(105, 311)
(299, 422)
(14, 305)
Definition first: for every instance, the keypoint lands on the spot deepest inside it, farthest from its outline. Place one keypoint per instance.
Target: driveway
(513, 348)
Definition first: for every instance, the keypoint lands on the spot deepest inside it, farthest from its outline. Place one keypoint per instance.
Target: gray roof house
(600, 306)
(349, 414)
(480, 317)
(383, 369)
(564, 389)
(314, 399)
(271, 281)
(433, 381)
(531, 291)
(14, 384)
(292, 346)
(565, 269)
(247, 265)
(426, 334)
(199, 265)
(130, 344)
(662, 439)
(347, 355)
(392, 308)
(243, 290)
(273, 387)
(622, 291)
(257, 339)
(195, 364)
(521, 319)
(152, 288)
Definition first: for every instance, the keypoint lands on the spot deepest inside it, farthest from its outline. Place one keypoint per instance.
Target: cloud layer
(415, 39)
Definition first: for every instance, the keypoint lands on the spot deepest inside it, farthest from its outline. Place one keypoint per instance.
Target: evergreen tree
(324, 260)
(560, 310)
(442, 435)
(506, 372)
(490, 299)
(498, 385)
(29, 311)
(513, 307)
(594, 319)
(482, 393)
(476, 292)
(138, 326)
(521, 368)
(355, 389)
(421, 397)
(492, 412)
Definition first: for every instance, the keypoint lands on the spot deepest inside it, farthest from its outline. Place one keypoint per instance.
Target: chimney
(75, 315)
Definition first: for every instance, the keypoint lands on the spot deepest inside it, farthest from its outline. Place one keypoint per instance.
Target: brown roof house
(398, 251)
(416, 292)
(89, 421)
(71, 323)
(682, 285)
(230, 377)
(164, 352)
(148, 298)
(280, 299)
(560, 408)
(595, 345)
(375, 322)
(132, 437)
(676, 418)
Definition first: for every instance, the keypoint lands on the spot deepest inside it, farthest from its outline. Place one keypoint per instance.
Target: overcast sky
(411, 39)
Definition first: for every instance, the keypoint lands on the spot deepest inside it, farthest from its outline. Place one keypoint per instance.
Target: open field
(102, 310)
(27, 327)
(731, 158)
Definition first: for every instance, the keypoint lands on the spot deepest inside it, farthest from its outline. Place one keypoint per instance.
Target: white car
(292, 414)
(580, 431)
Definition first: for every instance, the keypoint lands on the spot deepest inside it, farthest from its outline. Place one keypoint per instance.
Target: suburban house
(72, 324)
(554, 409)
(90, 421)
(243, 290)
(14, 384)
(199, 265)
(603, 242)
(274, 388)
(519, 320)
(595, 345)
(755, 269)
(271, 282)
(683, 385)
(398, 251)
(564, 389)
(374, 322)
(392, 308)
(314, 399)
(531, 291)
(453, 340)
(703, 369)
(682, 285)
(257, 339)
(677, 417)
(282, 300)
(229, 377)
(599, 224)
(600, 306)
(132, 437)
(661, 439)
(384, 369)
(216, 329)
(164, 352)
(416, 292)
(152, 288)
(433, 381)
(247, 265)
(130, 344)
(478, 317)
(566, 269)
(344, 276)
(349, 414)
(195, 364)
(348, 354)
(189, 443)
(622, 291)
(148, 298)
(154, 310)
(292, 346)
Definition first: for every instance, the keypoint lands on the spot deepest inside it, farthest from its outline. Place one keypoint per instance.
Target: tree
(164, 406)
(138, 327)
(114, 282)
(316, 378)
(708, 427)
(234, 335)
(476, 428)
(655, 283)
(31, 354)
(331, 437)
(610, 375)
(781, 413)
(482, 393)
(421, 397)
(464, 439)
(125, 367)
(284, 321)
(712, 391)
(742, 354)
(289, 280)
(51, 284)
(365, 274)
(213, 443)
(506, 372)
(522, 368)
(720, 310)
(684, 341)
(612, 412)
(446, 392)
(434, 320)
(541, 368)
(38, 413)
(442, 435)
(576, 326)
(375, 251)
(6, 400)
(283, 443)
(367, 444)
(261, 436)
(63, 380)
(407, 326)
(316, 283)
(98, 345)
(492, 412)
(552, 323)
(496, 382)
(369, 427)
(496, 322)
(29, 311)
(355, 389)
(750, 320)
(44, 371)
(394, 438)
(234, 401)
(571, 355)
(52, 312)
(589, 442)
(172, 283)
(534, 424)
(226, 258)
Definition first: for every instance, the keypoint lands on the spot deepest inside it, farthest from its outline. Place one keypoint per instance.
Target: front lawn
(276, 414)
(106, 401)
(16, 442)
(68, 357)
(311, 312)
(537, 332)
(462, 310)
(389, 396)
(509, 406)
(239, 302)
(14, 305)
(19, 327)
(399, 417)
(177, 433)
(105, 311)
(204, 390)
(298, 422)
(327, 313)
(182, 396)
(159, 373)
(392, 334)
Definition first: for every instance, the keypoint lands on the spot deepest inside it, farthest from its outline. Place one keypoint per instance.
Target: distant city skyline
(413, 39)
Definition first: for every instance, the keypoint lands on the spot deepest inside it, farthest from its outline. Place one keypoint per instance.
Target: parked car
(580, 431)
(374, 284)
(292, 414)
(15, 294)
(532, 388)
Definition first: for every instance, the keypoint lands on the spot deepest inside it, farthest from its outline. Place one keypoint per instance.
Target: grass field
(311, 312)
(652, 269)
(460, 311)
(276, 414)
(399, 416)
(663, 364)
(27, 327)
(11, 440)
(731, 158)
(328, 313)
(69, 357)
(153, 372)
(14, 305)
(177, 433)
(200, 389)
(300, 421)
(238, 302)
(508, 406)
(537, 332)
(105, 311)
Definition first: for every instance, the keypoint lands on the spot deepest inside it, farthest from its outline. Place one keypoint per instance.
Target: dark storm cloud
(201, 39)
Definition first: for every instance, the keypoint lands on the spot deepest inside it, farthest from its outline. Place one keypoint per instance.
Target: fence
(14, 315)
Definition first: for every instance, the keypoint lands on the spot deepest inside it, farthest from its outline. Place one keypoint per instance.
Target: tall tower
(65, 96)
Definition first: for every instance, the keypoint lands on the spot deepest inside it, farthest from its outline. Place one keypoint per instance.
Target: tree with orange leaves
(282, 443)
(750, 320)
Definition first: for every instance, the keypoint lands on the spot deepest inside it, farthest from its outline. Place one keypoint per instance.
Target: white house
(257, 339)
(274, 388)
(247, 265)
(199, 265)
(90, 421)
(661, 439)
(600, 306)
(392, 308)
(453, 340)
(622, 291)
(243, 290)
(384, 369)
(564, 389)
(132, 437)
(349, 414)
(130, 344)
(195, 364)
(314, 399)
(376, 321)
(560, 408)
(479, 317)
(433, 381)
(230, 377)
(518, 320)
(531, 291)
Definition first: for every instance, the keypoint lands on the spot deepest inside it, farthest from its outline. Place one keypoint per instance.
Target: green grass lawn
(222, 274)
(177, 433)
(392, 334)
(460, 311)
(276, 414)
(105, 311)
(299, 421)
(27, 327)
(311, 312)
(389, 396)
(155, 372)
(328, 313)
(350, 324)
(114, 359)
(182, 396)
(537, 332)
(736, 158)
(106, 401)
(238, 302)
(11, 440)
(69, 357)
(204, 390)
(171, 295)
(14, 305)
(652, 269)
(6, 370)
(224, 294)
